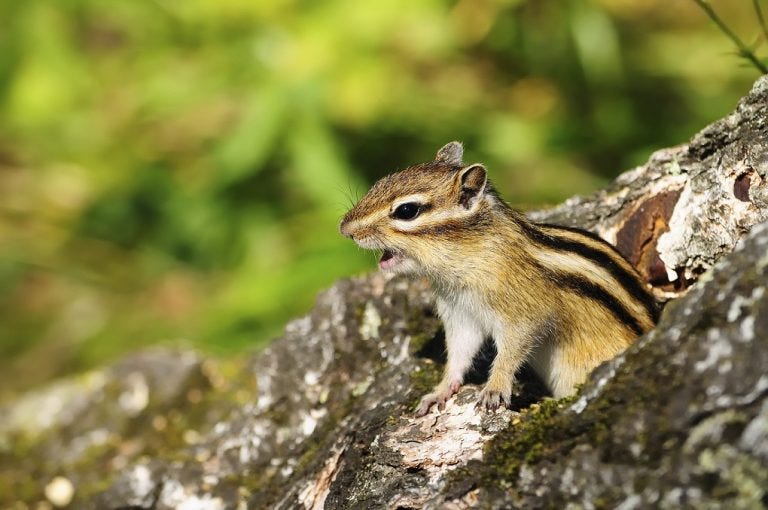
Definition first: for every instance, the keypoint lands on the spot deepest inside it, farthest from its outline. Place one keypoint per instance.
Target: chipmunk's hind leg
(566, 363)
(560, 375)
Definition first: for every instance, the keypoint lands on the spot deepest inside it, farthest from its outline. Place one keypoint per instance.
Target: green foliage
(175, 170)
(744, 51)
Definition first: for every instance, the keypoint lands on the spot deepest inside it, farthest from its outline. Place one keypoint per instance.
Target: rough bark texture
(322, 418)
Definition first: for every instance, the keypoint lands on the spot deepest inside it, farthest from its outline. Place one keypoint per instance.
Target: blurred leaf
(597, 43)
(318, 169)
(247, 147)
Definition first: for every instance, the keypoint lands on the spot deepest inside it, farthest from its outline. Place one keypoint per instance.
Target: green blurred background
(174, 170)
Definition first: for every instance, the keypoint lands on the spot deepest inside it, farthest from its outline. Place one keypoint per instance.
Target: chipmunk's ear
(451, 154)
(473, 180)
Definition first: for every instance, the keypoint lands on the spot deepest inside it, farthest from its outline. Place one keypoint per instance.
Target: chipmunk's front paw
(492, 399)
(441, 394)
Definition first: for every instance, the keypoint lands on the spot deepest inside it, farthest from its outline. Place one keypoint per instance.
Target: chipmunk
(560, 298)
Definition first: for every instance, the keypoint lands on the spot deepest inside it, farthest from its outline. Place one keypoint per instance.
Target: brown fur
(560, 299)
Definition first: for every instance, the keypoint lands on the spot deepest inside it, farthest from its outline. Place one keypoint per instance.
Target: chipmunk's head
(421, 215)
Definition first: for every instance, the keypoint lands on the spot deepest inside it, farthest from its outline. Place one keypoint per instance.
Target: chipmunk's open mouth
(389, 259)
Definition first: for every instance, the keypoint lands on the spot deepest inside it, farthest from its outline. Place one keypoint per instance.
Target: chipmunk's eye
(406, 211)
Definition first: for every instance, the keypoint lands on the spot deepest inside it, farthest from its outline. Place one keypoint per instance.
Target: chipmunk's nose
(344, 229)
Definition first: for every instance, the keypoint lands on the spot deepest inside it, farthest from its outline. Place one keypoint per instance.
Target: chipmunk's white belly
(466, 309)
